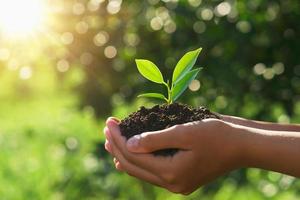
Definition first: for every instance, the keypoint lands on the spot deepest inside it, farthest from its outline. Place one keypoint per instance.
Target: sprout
(183, 75)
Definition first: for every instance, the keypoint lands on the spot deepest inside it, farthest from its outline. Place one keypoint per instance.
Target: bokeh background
(66, 65)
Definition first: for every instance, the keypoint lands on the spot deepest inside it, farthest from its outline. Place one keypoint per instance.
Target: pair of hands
(207, 150)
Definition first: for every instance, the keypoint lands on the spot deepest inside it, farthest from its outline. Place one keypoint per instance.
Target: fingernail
(113, 120)
(134, 141)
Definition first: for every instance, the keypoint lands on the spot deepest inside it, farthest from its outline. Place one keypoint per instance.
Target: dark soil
(160, 117)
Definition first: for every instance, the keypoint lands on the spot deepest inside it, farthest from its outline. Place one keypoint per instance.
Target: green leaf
(185, 64)
(149, 70)
(183, 83)
(153, 95)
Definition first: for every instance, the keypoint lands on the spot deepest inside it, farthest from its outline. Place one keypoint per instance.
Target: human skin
(260, 124)
(207, 149)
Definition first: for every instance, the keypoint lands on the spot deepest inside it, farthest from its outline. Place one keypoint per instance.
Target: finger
(145, 161)
(107, 136)
(106, 133)
(118, 165)
(122, 164)
(173, 137)
(107, 146)
(113, 119)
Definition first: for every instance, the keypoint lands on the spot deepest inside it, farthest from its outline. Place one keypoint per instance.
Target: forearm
(260, 124)
(271, 150)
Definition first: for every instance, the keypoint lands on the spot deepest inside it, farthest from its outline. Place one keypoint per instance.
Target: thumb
(147, 142)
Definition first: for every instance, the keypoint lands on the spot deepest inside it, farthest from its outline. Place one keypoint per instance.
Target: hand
(207, 150)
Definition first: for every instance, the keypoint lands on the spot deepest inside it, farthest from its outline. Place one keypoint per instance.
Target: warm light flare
(20, 18)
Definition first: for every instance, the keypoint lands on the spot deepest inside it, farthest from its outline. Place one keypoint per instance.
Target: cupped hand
(207, 150)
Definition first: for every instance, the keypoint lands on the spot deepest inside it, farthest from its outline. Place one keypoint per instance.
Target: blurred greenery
(58, 84)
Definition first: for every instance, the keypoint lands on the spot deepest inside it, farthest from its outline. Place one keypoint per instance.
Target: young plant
(182, 76)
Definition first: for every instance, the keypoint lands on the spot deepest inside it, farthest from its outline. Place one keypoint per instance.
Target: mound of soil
(160, 117)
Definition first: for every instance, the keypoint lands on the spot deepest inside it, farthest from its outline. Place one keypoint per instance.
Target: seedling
(182, 76)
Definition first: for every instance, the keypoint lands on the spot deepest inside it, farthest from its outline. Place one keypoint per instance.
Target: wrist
(251, 143)
(238, 143)
(265, 149)
(231, 145)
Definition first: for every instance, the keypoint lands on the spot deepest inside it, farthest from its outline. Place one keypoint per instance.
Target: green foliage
(154, 95)
(149, 70)
(185, 64)
(182, 75)
(180, 86)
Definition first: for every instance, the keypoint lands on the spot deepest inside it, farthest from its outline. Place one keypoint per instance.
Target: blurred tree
(250, 50)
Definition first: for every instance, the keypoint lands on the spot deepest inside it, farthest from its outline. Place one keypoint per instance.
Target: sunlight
(20, 18)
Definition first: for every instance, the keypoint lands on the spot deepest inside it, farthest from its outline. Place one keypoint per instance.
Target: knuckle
(215, 122)
(146, 139)
(177, 127)
(176, 189)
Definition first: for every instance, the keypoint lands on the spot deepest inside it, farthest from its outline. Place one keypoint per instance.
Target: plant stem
(169, 100)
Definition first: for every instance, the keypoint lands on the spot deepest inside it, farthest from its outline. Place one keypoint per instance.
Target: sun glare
(20, 17)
